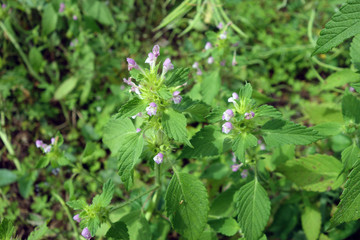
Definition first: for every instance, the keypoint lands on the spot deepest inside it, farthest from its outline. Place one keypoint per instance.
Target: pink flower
(77, 218)
(62, 7)
(156, 51)
(176, 97)
(138, 130)
(227, 127)
(195, 65)
(227, 115)
(159, 158)
(233, 98)
(249, 115)
(151, 109)
(151, 59)
(223, 35)
(210, 60)
(75, 18)
(167, 65)
(86, 233)
(208, 46)
(244, 173)
(132, 64)
(220, 25)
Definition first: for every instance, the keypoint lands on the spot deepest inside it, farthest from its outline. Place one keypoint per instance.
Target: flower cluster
(85, 232)
(235, 167)
(45, 147)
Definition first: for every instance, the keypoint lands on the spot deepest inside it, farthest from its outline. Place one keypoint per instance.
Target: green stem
(317, 61)
(134, 199)
(62, 202)
(10, 149)
(22, 54)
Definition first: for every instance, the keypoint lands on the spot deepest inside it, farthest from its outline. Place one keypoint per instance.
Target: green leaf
(7, 177)
(278, 132)
(197, 110)
(65, 88)
(114, 131)
(328, 128)
(49, 19)
(252, 206)
(7, 229)
(225, 226)
(174, 125)
(131, 108)
(107, 194)
(187, 205)
(323, 112)
(350, 156)
(355, 52)
(38, 233)
(100, 12)
(356, 86)
(243, 141)
(343, 25)
(117, 231)
(178, 77)
(351, 108)
(317, 173)
(339, 79)
(245, 92)
(222, 204)
(77, 204)
(267, 111)
(131, 146)
(36, 59)
(311, 222)
(93, 225)
(348, 208)
(208, 142)
(210, 86)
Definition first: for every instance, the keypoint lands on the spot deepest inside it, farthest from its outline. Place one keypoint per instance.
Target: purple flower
(156, 51)
(208, 46)
(167, 65)
(227, 115)
(195, 65)
(39, 143)
(151, 59)
(159, 158)
(77, 218)
(233, 159)
(249, 115)
(137, 115)
(210, 60)
(3, 5)
(227, 127)
(62, 7)
(199, 72)
(235, 167)
(128, 81)
(223, 35)
(75, 18)
(351, 89)
(132, 64)
(74, 42)
(151, 109)
(138, 130)
(233, 98)
(222, 63)
(176, 97)
(47, 148)
(244, 173)
(52, 141)
(86, 233)
(220, 25)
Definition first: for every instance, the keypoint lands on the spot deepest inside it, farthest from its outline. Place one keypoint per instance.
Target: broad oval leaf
(187, 205)
(114, 131)
(65, 88)
(311, 222)
(252, 206)
(174, 125)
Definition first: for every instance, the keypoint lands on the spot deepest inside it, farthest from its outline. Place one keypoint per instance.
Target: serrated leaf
(107, 194)
(225, 226)
(100, 12)
(278, 132)
(216, 115)
(93, 225)
(348, 208)
(49, 19)
(328, 128)
(114, 131)
(350, 156)
(138, 226)
(323, 112)
(339, 79)
(243, 141)
(131, 108)
(38, 233)
(318, 173)
(118, 230)
(252, 206)
(131, 146)
(77, 204)
(7, 177)
(355, 52)
(178, 77)
(210, 86)
(351, 108)
(65, 88)
(197, 109)
(7, 229)
(343, 25)
(187, 205)
(245, 92)
(222, 204)
(311, 222)
(209, 141)
(267, 111)
(174, 125)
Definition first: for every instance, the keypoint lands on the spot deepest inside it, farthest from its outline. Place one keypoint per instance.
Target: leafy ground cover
(194, 119)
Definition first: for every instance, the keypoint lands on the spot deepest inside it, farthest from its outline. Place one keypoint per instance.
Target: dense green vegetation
(194, 119)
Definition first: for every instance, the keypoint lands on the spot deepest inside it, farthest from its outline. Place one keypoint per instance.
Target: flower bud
(151, 59)
(39, 143)
(195, 65)
(159, 158)
(220, 25)
(132, 64)
(227, 127)
(176, 97)
(227, 115)
(351, 89)
(235, 167)
(156, 51)
(86, 233)
(234, 97)
(77, 218)
(223, 35)
(244, 173)
(167, 65)
(249, 115)
(138, 130)
(208, 46)
(210, 60)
